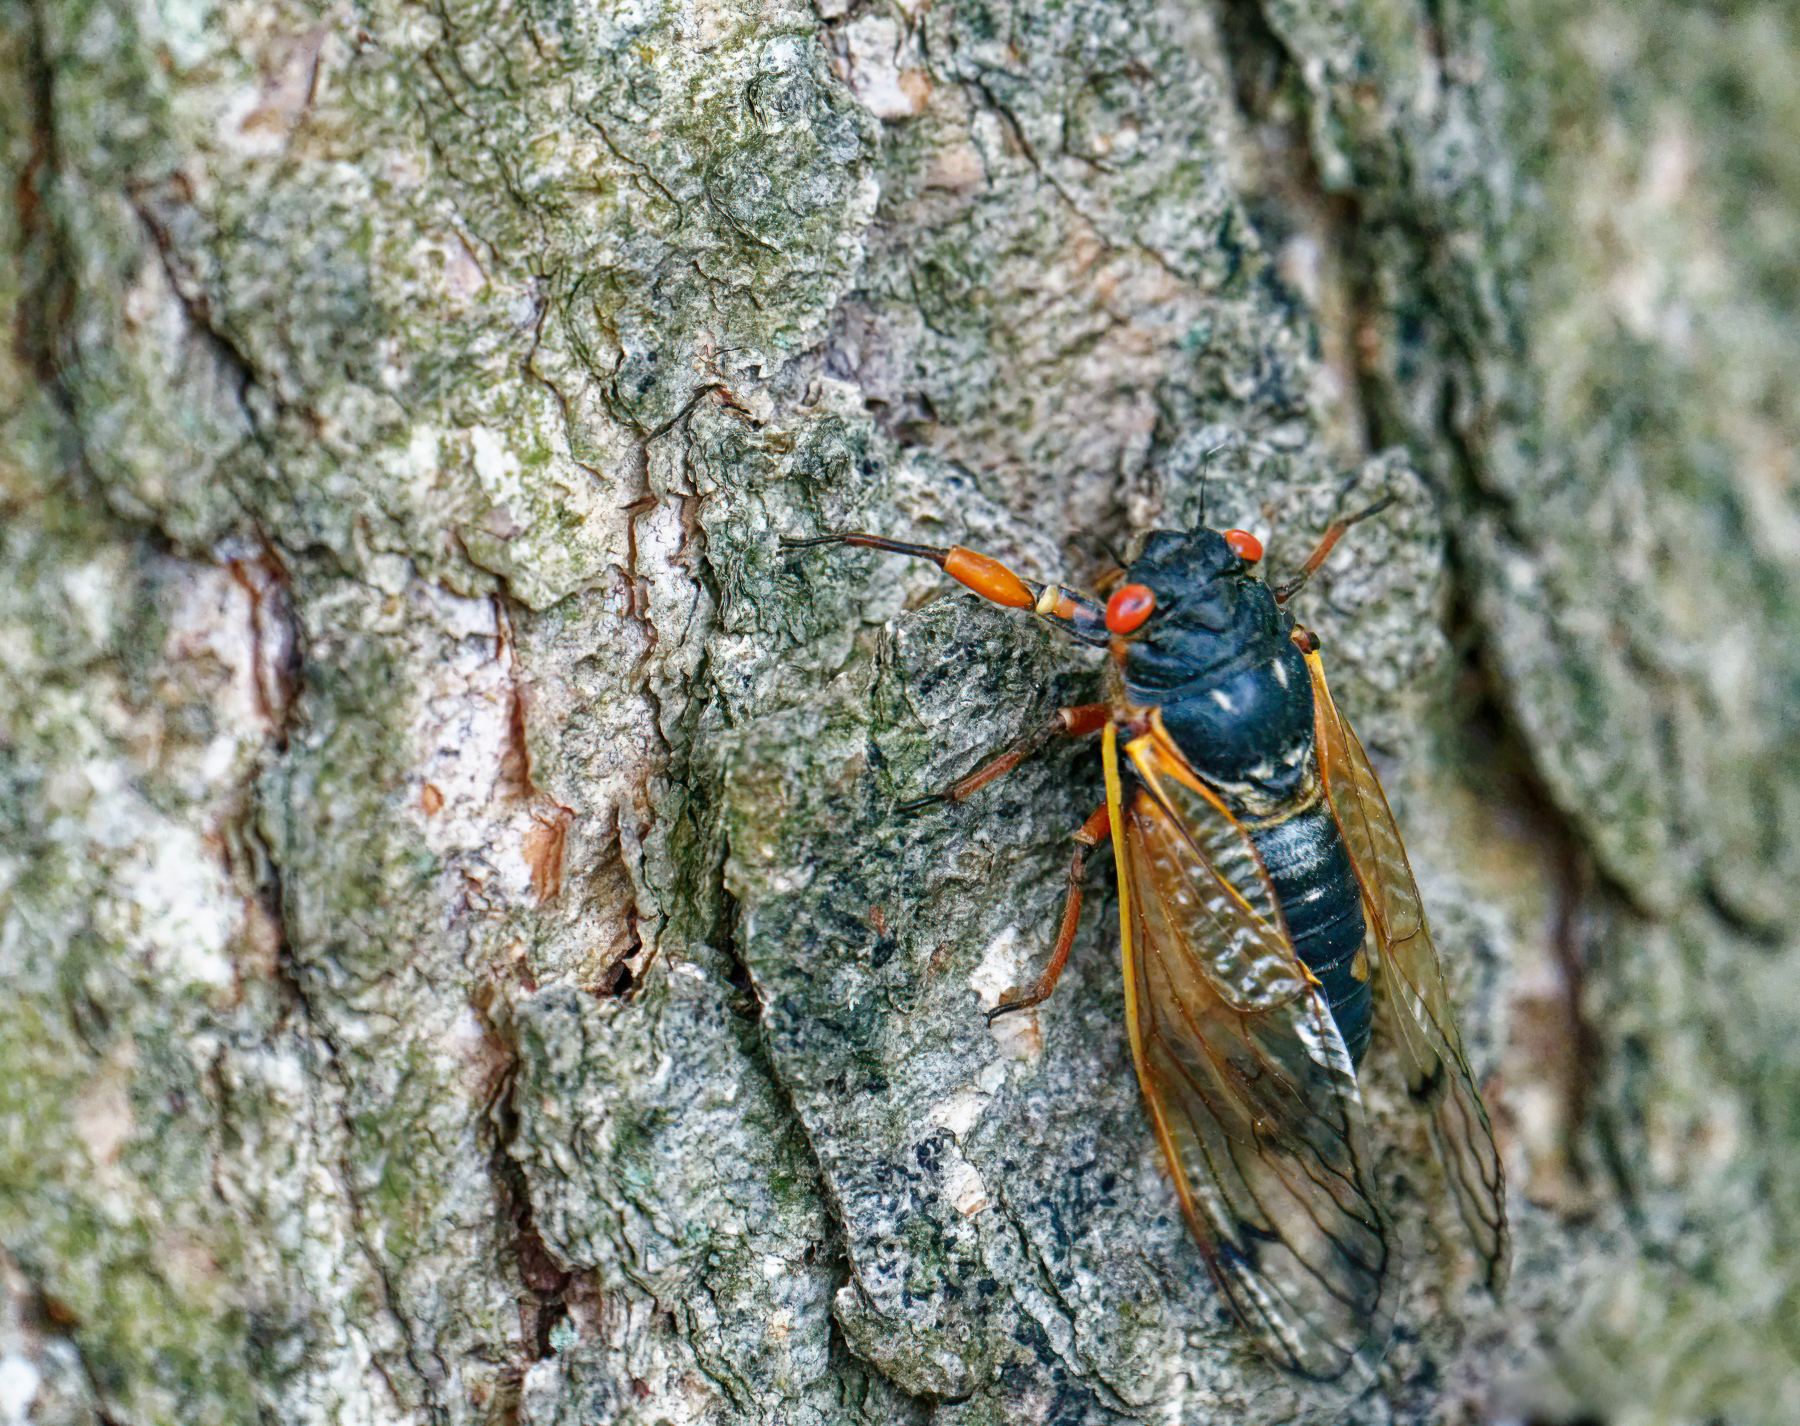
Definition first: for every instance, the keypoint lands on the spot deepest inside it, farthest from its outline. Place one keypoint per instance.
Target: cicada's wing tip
(1337, 1343)
(1499, 1268)
(1343, 1378)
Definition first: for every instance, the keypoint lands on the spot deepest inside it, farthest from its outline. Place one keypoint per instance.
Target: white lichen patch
(965, 1187)
(886, 68)
(997, 972)
(995, 979)
(165, 892)
(470, 794)
(173, 906)
(495, 466)
(19, 1382)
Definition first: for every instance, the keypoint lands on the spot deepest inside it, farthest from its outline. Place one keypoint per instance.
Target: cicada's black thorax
(1217, 658)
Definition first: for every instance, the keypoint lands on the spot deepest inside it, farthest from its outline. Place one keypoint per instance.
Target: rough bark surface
(463, 958)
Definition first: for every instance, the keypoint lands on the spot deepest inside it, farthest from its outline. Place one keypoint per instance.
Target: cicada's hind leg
(1327, 543)
(1076, 722)
(1094, 833)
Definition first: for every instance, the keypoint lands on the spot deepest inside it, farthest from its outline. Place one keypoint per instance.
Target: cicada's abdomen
(1321, 901)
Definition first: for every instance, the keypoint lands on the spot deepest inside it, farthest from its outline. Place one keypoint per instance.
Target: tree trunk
(466, 962)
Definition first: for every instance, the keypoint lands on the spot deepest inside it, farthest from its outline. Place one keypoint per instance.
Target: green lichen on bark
(468, 961)
(307, 331)
(1576, 304)
(482, 193)
(120, 962)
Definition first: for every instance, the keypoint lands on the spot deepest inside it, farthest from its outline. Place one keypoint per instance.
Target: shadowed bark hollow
(464, 959)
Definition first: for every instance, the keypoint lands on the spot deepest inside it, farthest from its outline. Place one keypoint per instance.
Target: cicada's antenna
(1205, 464)
(1108, 549)
(1287, 591)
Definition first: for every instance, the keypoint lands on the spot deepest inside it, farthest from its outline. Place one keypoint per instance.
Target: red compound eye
(1244, 545)
(1129, 607)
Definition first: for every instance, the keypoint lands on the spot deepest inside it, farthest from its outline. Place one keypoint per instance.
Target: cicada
(1263, 889)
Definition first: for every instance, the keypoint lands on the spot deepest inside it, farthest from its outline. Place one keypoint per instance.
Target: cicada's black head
(1206, 609)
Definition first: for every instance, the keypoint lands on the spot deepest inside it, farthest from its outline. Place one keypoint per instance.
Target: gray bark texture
(463, 960)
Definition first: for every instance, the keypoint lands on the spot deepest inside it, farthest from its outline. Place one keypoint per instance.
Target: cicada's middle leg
(1079, 721)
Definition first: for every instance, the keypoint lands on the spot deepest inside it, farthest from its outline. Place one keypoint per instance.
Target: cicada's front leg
(1081, 616)
(1079, 721)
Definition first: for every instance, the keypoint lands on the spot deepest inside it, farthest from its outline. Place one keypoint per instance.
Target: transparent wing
(1246, 1077)
(1438, 1074)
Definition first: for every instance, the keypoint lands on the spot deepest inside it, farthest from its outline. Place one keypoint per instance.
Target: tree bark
(466, 962)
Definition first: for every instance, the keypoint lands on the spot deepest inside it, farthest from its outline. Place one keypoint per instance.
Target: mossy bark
(464, 958)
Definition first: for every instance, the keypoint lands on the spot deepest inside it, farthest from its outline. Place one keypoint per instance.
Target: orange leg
(1076, 722)
(1081, 616)
(1325, 546)
(1094, 833)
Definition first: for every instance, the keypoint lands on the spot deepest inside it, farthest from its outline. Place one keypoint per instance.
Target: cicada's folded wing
(1246, 1077)
(1412, 977)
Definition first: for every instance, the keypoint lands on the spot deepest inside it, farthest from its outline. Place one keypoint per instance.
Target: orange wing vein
(1412, 977)
(1247, 1079)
